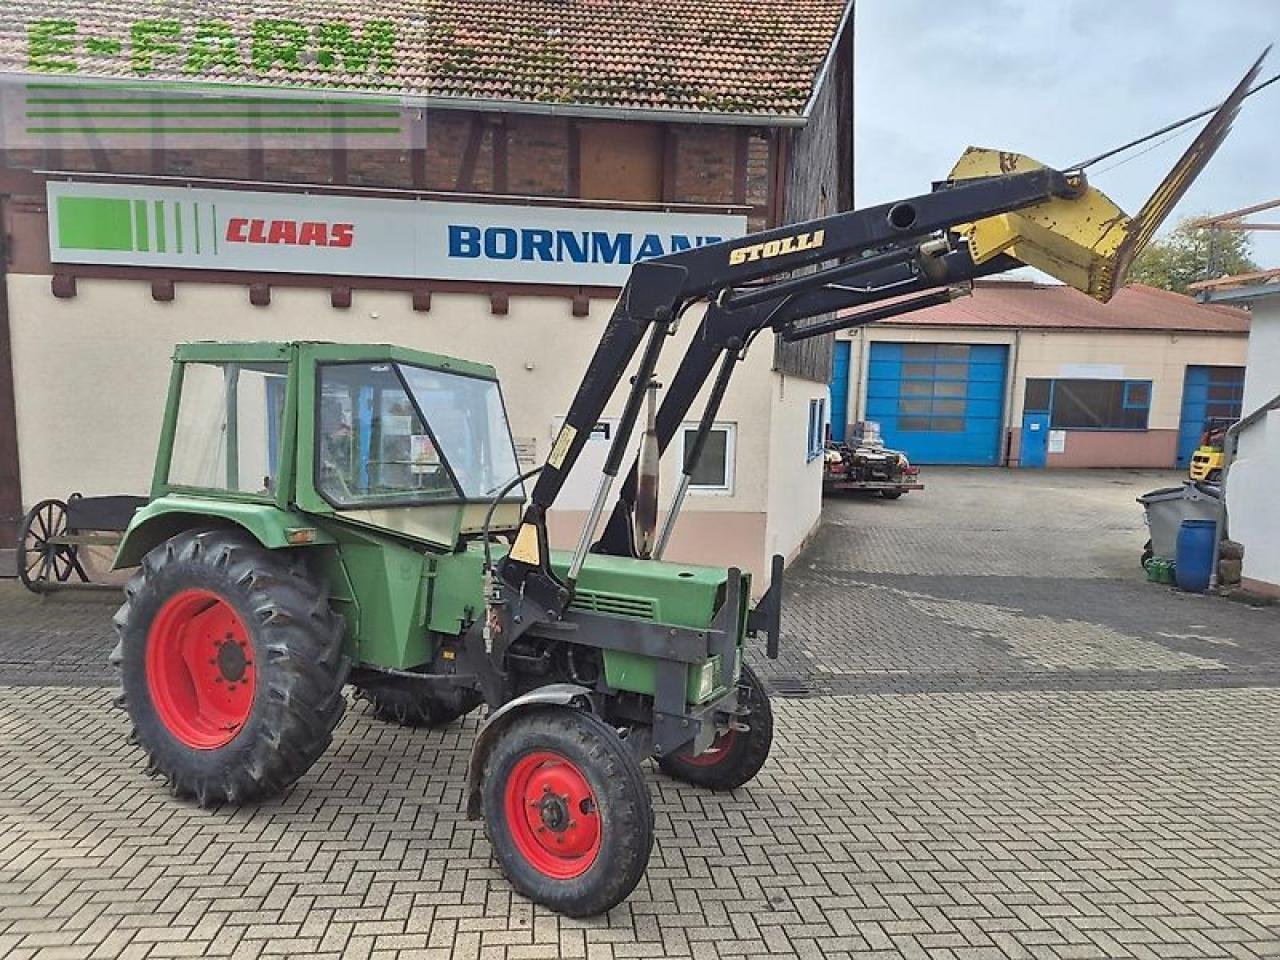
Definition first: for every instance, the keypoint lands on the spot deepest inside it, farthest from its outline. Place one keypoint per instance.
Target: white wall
(795, 482)
(1252, 504)
(91, 374)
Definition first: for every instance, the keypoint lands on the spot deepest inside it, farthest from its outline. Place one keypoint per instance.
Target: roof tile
(724, 56)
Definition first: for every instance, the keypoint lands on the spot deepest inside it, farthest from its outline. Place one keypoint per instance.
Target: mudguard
(166, 516)
(552, 695)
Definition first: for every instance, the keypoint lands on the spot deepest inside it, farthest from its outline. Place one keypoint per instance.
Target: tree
(1183, 257)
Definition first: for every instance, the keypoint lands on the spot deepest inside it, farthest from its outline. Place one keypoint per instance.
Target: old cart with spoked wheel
(54, 534)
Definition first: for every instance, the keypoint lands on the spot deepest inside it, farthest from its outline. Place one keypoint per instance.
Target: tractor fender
(168, 516)
(552, 695)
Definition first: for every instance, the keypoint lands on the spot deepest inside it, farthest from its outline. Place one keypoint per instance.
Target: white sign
(1091, 371)
(146, 226)
(1057, 441)
(580, 485)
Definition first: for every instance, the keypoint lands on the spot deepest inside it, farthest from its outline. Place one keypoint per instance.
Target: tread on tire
(294, 642)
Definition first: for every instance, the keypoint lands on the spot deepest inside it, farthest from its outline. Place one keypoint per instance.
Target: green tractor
(325, 515)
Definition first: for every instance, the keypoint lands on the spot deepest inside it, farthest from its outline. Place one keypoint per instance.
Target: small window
(953, 352)
(913, 423)
(1037, 396)
(919, 351)
(228, 430)
(1137, 395)
(714, 470)
(817, 429)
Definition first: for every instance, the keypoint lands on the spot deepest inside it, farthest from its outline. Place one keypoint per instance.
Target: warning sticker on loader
(560, 449)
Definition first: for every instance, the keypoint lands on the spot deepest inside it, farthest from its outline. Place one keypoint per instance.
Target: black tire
(1215, 475)
(410, 704)
(727, 767)
(622, 805)
(892, 494)
(292, 648)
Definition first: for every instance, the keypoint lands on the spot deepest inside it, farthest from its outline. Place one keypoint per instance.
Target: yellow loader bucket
(1087, 242)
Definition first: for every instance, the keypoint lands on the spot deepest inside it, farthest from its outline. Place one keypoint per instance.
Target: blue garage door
(1207, 392)
(940, 402)
(840, 390)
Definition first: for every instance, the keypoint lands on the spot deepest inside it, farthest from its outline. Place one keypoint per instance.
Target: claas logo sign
(293, 233)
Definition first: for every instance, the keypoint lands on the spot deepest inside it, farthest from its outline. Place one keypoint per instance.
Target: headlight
(705, 678)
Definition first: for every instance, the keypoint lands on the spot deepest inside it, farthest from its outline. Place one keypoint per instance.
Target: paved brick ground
(1011, 746)
(1038, 824)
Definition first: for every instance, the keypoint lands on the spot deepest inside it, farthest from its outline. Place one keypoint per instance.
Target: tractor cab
(372, 435)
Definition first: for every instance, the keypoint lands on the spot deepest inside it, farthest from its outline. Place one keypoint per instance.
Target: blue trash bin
(1195, 554)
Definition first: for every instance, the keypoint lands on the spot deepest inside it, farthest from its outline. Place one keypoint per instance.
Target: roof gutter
(485, 104)
(1240, 294)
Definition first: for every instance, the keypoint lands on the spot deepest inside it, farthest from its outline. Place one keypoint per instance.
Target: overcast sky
(1063, 80)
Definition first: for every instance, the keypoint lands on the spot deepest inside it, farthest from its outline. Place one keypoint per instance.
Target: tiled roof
(718, 56)
(1038, 306)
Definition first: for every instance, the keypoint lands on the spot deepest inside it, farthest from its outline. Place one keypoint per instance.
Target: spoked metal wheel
(42, 560)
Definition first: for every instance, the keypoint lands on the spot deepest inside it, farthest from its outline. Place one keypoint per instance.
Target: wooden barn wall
(819, 181)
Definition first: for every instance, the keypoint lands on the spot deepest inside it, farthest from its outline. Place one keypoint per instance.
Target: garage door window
(714, 472)
(1091, 404)
(935, 383)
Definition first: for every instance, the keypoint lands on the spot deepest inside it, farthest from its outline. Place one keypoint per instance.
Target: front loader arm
(658, 290)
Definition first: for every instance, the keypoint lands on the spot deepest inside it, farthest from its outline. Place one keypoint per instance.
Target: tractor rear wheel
(232, 666)
(400, 700)
(567, 811)
(735, 756)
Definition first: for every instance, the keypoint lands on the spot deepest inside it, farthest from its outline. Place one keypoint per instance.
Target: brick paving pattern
(1010, 746)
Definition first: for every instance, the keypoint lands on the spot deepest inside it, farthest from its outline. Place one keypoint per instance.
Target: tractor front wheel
(567, 811)
(232, 666)
(401, 700)
(735, 756)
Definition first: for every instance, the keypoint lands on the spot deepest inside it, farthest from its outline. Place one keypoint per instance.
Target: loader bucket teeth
(1087, 241)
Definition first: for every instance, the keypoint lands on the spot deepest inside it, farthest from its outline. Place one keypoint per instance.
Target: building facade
(501, 231)
(1034, 375)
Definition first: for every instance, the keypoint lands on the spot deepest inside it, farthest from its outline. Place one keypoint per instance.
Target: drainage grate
(791, 687)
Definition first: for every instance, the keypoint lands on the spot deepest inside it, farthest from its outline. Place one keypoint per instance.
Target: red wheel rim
(200, 669)
(715, 753)
(553, 815)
